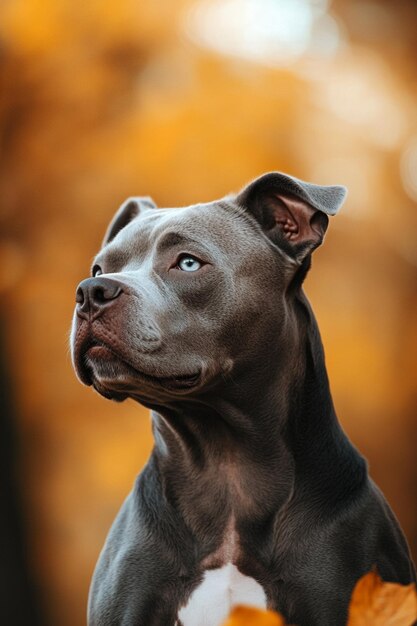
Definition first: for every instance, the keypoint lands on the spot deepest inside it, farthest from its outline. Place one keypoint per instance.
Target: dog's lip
(99, 350)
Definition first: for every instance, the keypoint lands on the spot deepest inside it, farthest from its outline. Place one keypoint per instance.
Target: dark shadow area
(18, 598)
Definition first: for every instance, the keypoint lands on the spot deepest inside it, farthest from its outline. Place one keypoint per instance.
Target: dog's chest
(220, 590)
(222, 587)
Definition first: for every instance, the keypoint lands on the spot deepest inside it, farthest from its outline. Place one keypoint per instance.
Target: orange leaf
(248, 616)
(382, 604)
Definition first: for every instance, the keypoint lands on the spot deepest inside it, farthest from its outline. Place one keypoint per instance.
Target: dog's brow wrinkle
(113, 257)
(172, 238)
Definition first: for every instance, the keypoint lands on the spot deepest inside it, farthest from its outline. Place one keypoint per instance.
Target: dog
(253, 494)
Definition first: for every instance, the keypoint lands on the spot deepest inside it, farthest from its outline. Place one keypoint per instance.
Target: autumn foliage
(381, 603)
(248, 616)
(373, 603)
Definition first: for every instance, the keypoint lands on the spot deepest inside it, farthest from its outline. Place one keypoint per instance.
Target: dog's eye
(96, 271)
(188, 263)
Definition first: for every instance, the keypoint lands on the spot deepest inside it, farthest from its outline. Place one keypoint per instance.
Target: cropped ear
(125, 214)
(292, 213)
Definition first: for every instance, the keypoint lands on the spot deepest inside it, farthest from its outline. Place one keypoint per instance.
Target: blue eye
(189, 264)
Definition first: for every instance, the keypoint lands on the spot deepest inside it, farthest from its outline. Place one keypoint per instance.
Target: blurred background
(187, 100)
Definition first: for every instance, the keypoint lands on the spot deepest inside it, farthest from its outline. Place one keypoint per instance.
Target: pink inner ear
(287, 223)
(296, 219)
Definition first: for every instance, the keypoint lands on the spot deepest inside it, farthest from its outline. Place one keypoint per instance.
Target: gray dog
(253, 494)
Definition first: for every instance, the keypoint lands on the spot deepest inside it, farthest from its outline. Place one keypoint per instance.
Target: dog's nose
(95, 294)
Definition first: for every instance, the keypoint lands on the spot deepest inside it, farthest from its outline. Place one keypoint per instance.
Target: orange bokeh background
(187, 100)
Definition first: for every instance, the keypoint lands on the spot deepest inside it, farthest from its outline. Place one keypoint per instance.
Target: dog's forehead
(213, 224)
(208, 222)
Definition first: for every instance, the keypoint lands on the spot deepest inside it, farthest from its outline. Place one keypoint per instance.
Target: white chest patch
(220, 590)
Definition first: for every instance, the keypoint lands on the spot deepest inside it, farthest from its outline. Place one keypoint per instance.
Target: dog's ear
(292, 213)
(125, 214)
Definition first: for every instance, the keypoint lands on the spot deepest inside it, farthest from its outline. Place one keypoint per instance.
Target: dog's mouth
(97, 360)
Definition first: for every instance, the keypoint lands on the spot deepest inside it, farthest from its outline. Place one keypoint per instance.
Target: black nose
(95, 294)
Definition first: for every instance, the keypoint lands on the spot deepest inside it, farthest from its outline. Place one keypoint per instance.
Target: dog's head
(180, 299)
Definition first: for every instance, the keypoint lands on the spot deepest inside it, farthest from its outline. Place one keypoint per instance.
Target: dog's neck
(242, 451)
